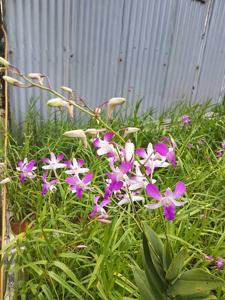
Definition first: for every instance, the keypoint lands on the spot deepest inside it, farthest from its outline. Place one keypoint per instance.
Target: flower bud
(129, 130)
(6, 180)
(94, 131)
(13, 81)
(4, 62)
(37, 76)
(112, 103)
(78, 133)
(66, 89)
(58, 102)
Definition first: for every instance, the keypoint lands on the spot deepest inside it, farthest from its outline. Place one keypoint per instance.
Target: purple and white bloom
(223, 144)
(105, 146)
(54, 162)
(139, 180)
(98, 208)
(48, 185)
(169, 153)
(185, 120)
(26, 168)
(78, 185)
(150, 159)
(75, 167)
(219, 263)
(190, 146)
(219, 153)
(128, 198)
(208, 258)
(168, 200)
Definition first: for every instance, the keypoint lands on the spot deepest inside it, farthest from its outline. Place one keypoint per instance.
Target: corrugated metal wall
(161, 50)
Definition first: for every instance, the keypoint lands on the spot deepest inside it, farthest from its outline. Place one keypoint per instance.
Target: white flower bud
(94, 131)
(6, 180)
(58, 102)
(78, 133)
(66, 89)
(112, 103)
(4, 62)
(129, 130)
(37, 76)
(13, 81)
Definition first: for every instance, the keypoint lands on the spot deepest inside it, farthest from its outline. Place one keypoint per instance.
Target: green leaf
(143, 285)
(154, 240)
(195, 281)
(96, 269)
(167, 255)
(63, 283)
(176, 265)
(70, 274)
(156, 284)
(47, 292)
(198, 296)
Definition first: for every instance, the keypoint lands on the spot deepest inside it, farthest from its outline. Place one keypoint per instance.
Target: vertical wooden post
(4, 99)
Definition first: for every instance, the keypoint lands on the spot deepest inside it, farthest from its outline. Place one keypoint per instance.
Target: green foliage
(46, 262)
(158, 282)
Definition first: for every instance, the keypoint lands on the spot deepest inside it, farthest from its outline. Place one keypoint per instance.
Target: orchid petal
(162, 149)
(180, 189)
(153, 191)
(169, 212)
(87, 178)
(153, 206)
(172, 158)
(30, 165)
(108, 136)
(125, 167)
(60, 157)
(71, 180)
(141, 152)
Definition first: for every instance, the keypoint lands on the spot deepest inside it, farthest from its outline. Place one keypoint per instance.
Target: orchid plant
(131, 179)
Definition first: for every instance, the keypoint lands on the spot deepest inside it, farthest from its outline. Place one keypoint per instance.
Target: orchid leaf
(198, 296)
(195, 281)
(157, 285)
(176, 265)
(146, 290)
(167, 255)
(154, 240)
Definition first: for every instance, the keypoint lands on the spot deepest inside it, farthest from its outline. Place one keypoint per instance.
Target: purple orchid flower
(223, 144)
(48, 186)
(118, 177)
(169, 153)
(129, 197)
(219, 263)
(105, 146)
(185, 120)
(168, 200)
(99, 212)
(150, 159)
(26, 168)
(75, 167)
(54, 162)
(190, 146)
(78, 185)
(139, 180)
